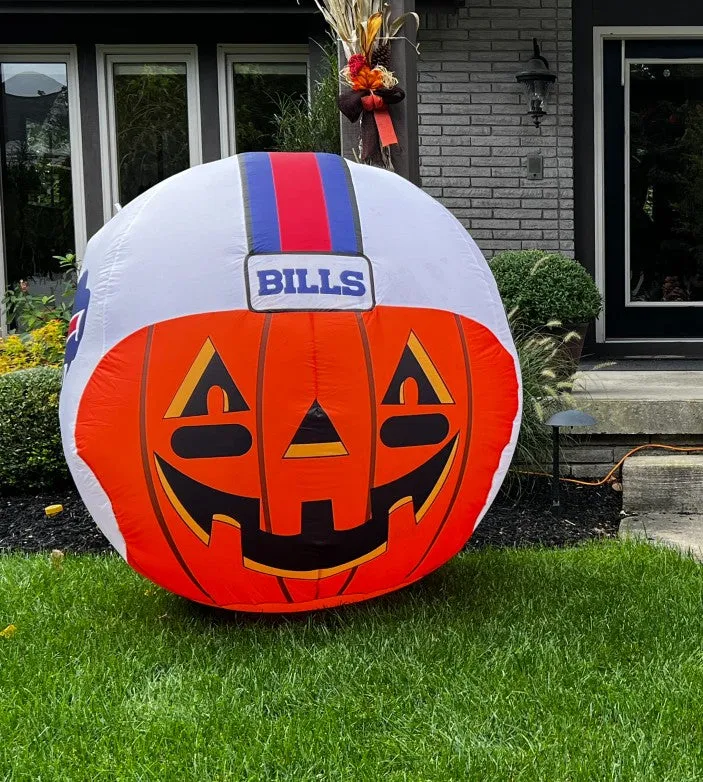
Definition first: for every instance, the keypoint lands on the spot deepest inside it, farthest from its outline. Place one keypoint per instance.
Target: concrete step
(663, 483)
(641, 402)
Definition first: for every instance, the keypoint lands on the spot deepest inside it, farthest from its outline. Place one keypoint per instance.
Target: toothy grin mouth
(319, 550)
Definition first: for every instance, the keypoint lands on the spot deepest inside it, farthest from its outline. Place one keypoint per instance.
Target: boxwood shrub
(31, 457)
(545, 287)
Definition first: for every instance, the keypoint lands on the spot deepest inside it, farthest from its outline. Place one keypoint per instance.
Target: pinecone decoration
(382, 55)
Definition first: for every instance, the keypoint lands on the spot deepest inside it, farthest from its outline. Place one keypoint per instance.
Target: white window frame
(600, 35)
(227, 55)
(107, 56)
(68, 56)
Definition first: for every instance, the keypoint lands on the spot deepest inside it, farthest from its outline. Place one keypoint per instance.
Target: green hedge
(31, 456)
(545, 287)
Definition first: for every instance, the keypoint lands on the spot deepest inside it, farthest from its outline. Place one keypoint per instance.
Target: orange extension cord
(622, 461)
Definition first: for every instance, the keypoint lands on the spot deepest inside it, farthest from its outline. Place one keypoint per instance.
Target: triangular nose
(316, 436)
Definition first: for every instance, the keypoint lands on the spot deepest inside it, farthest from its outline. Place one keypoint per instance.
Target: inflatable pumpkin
(289, 383)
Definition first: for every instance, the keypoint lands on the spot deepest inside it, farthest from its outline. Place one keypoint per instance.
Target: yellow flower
(57, 558)
(8, 632)
(42, 347)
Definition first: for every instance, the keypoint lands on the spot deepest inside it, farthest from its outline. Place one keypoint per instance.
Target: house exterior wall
(475, 134)
(203, 30)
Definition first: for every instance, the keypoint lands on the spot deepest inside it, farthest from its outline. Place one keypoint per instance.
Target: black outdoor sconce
(565, 418)
(537, 81)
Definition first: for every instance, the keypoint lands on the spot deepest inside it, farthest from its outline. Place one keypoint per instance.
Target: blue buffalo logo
(76, 325)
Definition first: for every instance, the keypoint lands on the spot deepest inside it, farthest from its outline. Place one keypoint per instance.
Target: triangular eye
(416, 364)
(207, 371)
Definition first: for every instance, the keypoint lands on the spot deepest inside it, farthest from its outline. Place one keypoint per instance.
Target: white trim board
(227, 54)
(63, 54)
(107, 56)
(600, 35)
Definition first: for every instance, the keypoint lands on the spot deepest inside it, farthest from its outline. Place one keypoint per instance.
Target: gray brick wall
(475, 134)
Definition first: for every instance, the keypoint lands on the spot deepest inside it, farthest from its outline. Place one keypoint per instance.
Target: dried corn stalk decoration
(366, 29)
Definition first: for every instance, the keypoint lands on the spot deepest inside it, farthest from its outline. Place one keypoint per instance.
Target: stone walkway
(663, 406)
(683, 532)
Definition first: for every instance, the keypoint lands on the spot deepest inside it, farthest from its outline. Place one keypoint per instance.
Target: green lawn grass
(581, 664)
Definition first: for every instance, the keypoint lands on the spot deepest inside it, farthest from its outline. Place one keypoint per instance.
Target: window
(253, 81)
(149, 118)
(40, 171)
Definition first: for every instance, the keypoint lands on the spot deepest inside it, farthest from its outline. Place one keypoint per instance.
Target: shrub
(544, 287)
(27, 311)
(43, 347)
(31, 457)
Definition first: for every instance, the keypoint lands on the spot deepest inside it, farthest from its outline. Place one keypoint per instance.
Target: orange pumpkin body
(291, 461)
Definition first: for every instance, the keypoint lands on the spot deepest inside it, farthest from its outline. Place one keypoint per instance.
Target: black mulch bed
(520, 516)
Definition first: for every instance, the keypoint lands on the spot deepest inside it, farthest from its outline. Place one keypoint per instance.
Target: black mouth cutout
(319, 550)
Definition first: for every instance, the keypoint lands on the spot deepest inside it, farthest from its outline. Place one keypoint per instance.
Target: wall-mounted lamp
(537, 81)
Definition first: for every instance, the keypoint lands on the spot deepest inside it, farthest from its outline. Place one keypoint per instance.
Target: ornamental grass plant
(547, 385)
(303, 125)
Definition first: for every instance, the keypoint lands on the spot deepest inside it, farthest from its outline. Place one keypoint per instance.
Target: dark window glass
(666, 182)
(151, 124)
(258, 89)
(37, 197)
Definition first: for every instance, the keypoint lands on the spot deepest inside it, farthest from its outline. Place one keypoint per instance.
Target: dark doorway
(653, 189)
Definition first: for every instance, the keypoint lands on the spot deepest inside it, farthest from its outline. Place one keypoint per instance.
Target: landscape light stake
(564, 418)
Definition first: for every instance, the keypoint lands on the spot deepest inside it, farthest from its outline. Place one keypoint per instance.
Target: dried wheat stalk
(360, 24)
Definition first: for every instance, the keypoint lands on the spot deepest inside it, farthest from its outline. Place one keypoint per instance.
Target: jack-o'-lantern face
(298, 454)
(290, 440)
(210, 425)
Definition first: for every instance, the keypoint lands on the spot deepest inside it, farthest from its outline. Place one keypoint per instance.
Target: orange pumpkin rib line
(374, 428)
(259, 438)
(151, 489)
(465, 455)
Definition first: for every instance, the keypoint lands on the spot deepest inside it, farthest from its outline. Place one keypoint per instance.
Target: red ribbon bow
(376, 122)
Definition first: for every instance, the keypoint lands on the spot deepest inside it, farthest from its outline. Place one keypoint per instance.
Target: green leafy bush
(545, 287)
(31, 457)
(27, 311)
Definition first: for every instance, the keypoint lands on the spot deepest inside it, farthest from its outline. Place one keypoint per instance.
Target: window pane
(258, 89)
(666, 182)
(37, 197)
(151, 119)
